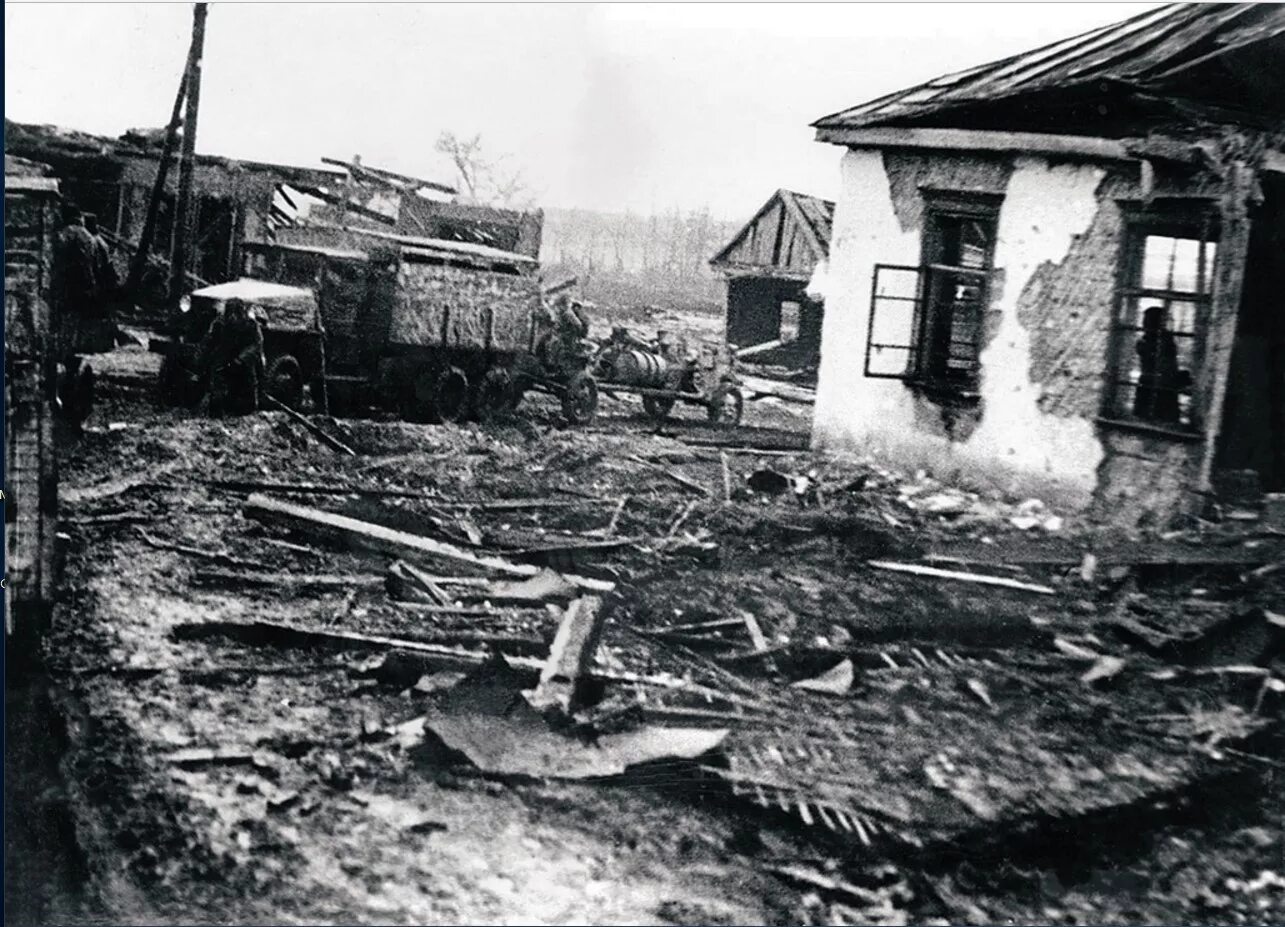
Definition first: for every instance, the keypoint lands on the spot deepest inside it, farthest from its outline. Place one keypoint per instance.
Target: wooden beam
(571, 655)
(917, 570)
(978, 140)
(1240, 186)
(184, 214)
(411, 547)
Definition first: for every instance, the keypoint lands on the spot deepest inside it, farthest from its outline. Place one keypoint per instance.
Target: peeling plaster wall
(1021, 441)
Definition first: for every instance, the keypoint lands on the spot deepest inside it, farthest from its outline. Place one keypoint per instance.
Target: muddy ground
(212, 775)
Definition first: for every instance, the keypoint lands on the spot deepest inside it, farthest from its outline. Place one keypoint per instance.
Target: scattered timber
(759, 348)
(391, 541)
(327, 439)
(800, 395)
(916, 570)
(672, 474)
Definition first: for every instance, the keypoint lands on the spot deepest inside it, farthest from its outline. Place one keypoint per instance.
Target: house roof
(1220, 63)
(787, 237)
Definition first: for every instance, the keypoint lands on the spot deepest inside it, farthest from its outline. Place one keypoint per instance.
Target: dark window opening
(1161, 318)
(926, 321)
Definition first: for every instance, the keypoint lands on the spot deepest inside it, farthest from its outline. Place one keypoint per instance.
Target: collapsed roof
(1178, 65)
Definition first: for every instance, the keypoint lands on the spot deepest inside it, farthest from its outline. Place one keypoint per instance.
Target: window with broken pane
(1167, 278)
(926, 321)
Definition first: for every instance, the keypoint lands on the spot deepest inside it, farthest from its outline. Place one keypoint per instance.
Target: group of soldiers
(86, 287)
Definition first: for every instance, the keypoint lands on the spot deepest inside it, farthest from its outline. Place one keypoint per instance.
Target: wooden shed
(768, 265)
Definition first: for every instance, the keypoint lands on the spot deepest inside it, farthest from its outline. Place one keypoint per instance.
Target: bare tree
(483, 179)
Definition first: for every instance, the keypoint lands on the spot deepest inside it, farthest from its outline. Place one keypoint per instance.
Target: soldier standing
(232, 353)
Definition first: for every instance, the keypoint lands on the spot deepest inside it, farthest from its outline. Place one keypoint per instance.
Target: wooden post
(1240, 184)
(144, 251)
(184, 218)
(571, 655)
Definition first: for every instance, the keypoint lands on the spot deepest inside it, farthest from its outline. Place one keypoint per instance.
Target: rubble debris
(545, 586)
(389, 540)
(407, 583)
(1104, 667)
(673, 475)
(485, 718)
(198, 757)
(835, 681)
(571, 655)
(327, 439)
(679, 519)
(726, 469)
(917, 570)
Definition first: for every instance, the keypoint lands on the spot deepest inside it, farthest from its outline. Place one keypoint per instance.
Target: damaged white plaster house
(1063, 273)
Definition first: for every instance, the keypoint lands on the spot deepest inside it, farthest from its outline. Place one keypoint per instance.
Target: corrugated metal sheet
(1228, 55)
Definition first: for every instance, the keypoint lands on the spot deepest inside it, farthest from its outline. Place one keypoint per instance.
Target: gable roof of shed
(811, 216)
(1218, 62)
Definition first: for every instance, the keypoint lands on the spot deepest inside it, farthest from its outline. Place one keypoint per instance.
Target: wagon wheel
(450, 397)
(726, 405)
(495, 394)
(580, 399)
(658, 407)
(284, 380)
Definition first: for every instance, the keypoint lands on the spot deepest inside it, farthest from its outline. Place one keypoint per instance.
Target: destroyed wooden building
(1002, 234)
(768, 266)
(237, 201)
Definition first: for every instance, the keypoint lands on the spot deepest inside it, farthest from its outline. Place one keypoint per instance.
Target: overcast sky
(606, 106)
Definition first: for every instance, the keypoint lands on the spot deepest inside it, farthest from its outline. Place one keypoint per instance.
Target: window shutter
(896, 294)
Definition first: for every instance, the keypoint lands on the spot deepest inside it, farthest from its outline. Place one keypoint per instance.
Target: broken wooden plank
(727, 476)
(615, 517)
(1001, 581)
(327, 439)
(190, 551)
(678, 521)
(391, 541)
(672, 474)
(404, 581)
(571, 655)
(757, 638)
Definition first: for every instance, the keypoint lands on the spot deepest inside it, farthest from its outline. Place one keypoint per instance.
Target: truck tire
(284, 380)
(496, 394)
(580, 399)
(726, 405)
(658, 407)
(451, 395)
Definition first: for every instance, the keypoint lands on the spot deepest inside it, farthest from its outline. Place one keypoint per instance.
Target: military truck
(433, 330)
(293, 348)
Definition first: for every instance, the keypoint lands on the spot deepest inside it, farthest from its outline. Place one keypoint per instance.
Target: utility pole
(184, 215)
(144, 252)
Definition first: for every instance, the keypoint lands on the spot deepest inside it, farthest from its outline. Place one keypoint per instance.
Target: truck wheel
(580, 399)
(658, 407)
(284, 380)
(450, 397)
(726, 405)
(496, 394)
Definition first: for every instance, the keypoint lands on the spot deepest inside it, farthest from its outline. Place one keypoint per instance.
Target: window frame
(1180, 219)
(938, 205)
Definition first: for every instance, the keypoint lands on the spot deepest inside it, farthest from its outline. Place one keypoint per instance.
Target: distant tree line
(630, 260)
